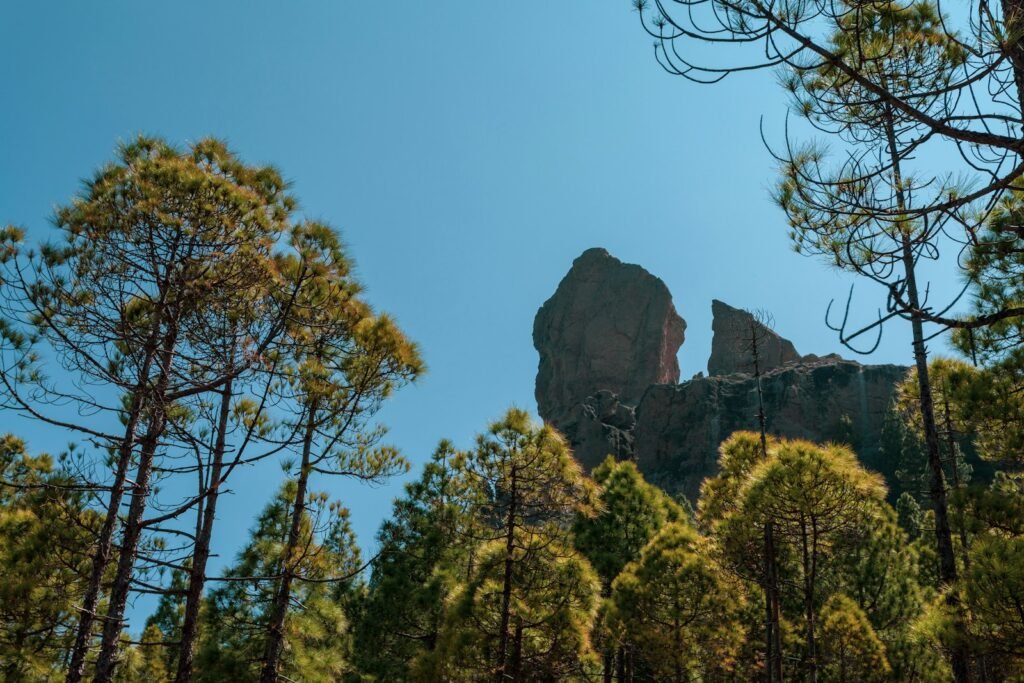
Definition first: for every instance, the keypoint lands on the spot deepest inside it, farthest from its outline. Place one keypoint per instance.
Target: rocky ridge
(609, 379)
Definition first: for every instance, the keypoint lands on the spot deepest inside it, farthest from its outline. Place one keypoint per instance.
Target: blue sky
(467, 151)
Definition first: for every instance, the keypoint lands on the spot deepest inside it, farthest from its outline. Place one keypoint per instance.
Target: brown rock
(608, 377)
(735, 332)
(609, 326)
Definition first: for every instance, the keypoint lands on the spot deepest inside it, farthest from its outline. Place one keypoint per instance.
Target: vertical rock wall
(608, 332)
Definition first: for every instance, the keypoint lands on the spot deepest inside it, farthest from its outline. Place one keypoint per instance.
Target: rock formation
(608, 379)
(679, 427)
(735, 333)
(609, 326)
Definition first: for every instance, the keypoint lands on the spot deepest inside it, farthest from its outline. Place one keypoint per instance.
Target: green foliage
(983, 406)
(738, 456)
(851, 651)
(464, 561)
(46, 531)
(160, 242)
(880, 573)
(630, 513)
(833, 533)
(995, 586)
(995, 266)
(997, 508)
(235, 614)
(843, 214)
(181, 280)
(425, 551)
(909, 515)
(163, 628)
(529, 603)
(146, 661)
(679, 609)
(181, 268)
(553, 605)
(905, 448)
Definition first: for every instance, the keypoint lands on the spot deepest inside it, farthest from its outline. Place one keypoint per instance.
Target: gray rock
(679, 427)
(735, 332)
(600, 426)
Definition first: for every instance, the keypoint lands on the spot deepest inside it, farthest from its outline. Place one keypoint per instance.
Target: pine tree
(679, 609)
(151, 245)
(861, 216)
(630, 513)
(344, 362)
(820, 501)
(995, 584)
(540, 603)
(236, 614)
(758, 562)
(850, 651)
(46, 531)
(425, 552)
(880, 573)
(530, 587)
(995, 267)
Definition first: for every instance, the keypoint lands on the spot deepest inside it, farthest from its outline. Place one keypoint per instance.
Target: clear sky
(467, 151)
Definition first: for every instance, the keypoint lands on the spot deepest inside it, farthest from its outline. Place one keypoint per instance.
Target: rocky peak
(609, 380)
(609, 326)
(735, 332)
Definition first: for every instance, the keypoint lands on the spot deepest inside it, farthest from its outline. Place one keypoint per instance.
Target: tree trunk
(677, 631)
(955, 471)
(104, 545)
(810, 570)
(762, 420)
(121, 587)
(197, 574)
(517, 651)
(769, 630)
(104, 542)
(773, 630)
(506, 586)
(937, 478)
(773, 637)
(279, 606)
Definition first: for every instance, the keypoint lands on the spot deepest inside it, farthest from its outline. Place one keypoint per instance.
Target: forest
(187, 323)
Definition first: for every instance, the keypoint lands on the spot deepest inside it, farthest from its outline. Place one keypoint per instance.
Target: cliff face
(609, 326)
(679, 427)
(608, 380)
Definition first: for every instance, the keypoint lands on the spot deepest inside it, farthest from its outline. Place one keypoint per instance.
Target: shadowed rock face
(609, 326)
(600, 426)
(679, 427)
(608, 380)
(732, 345)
